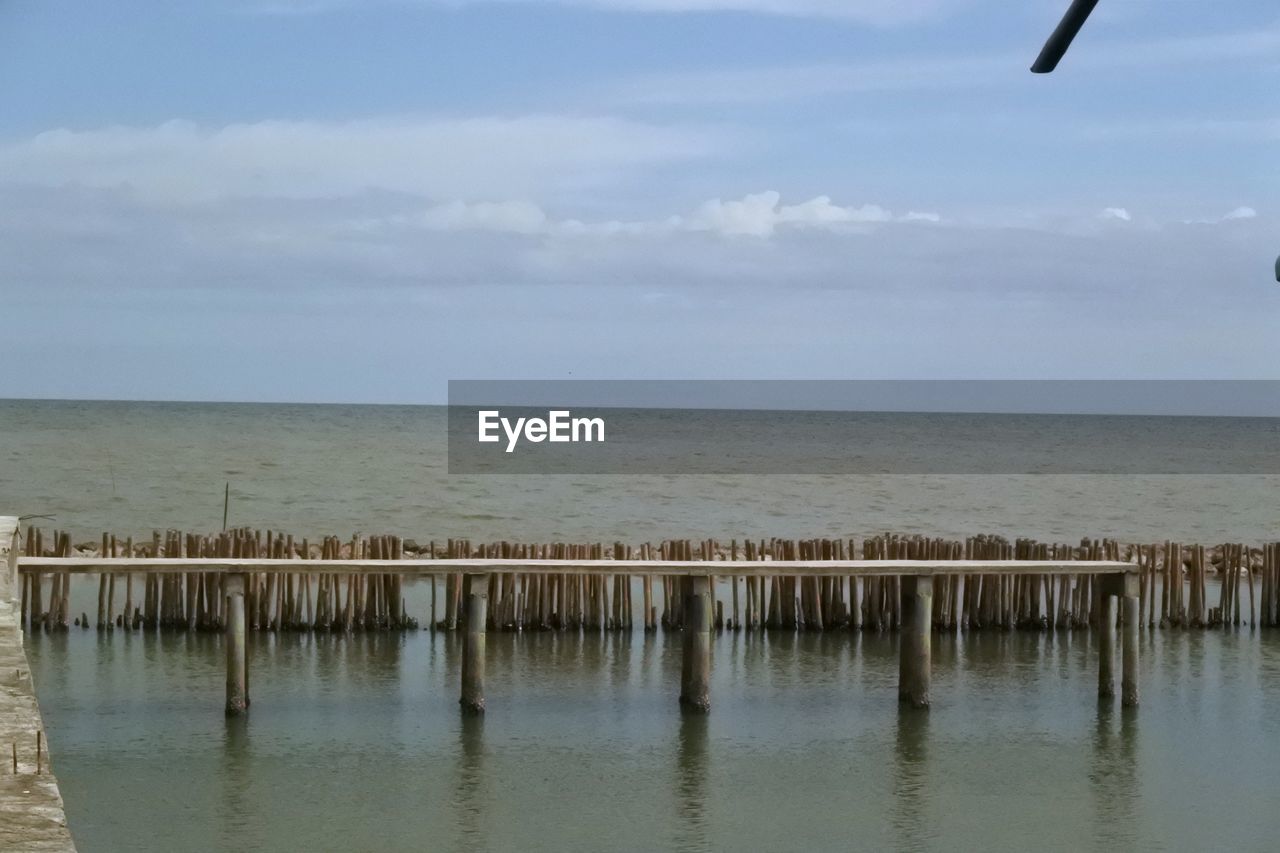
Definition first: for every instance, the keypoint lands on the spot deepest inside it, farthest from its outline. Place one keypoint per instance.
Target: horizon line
(615, 407)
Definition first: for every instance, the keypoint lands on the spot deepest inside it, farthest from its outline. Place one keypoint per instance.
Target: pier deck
(1117, 588)
(31, 811)
(603, 568)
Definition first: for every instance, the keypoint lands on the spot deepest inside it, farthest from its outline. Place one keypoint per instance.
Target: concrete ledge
(31, 811)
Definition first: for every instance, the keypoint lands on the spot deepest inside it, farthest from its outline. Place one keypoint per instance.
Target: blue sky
(341, 200)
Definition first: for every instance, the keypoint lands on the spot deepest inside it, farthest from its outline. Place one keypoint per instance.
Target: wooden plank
(753, 568)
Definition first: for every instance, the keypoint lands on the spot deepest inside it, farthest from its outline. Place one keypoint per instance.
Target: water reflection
(691, 783)
(1015, 747)
(909, 809)
(373, 659)
(621, 665)
(1112, 777)
(471, 792)
(235, 802)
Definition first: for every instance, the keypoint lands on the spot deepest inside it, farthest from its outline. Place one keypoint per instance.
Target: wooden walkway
(605, 568)
(31, 812)
(1116, 582)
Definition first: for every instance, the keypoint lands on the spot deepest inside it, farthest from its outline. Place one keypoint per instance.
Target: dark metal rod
(1056, 47)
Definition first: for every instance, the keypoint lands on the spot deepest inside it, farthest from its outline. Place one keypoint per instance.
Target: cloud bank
(138, 241)
(758, 215)
(464, 157)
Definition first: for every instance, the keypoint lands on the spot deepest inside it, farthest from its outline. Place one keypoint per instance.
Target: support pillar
(914, 645)
(695, 671)
(476, 591)
(1107, 644)
(1129, 653)
(237, 653)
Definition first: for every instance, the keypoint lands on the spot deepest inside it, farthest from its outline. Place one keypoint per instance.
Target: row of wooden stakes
(195, 601)
(1174, 590)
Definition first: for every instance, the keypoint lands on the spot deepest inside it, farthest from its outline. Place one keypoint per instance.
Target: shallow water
(358, 742)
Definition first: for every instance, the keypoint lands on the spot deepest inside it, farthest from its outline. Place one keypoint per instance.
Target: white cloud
(756, 214)
(873, 12)
(761, 214)
(820, 211)
(1116, 213)
(780, 83)
(1241, 213)
(445, 158)
(518, 217)
(60, 239)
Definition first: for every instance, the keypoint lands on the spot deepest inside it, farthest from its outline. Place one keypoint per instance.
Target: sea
(357, 743)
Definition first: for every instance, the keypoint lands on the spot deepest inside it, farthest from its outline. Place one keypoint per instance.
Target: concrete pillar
(1106, 644)
(1129, 653)
(914, 645)
(237, 653)
(476, 591)
(695, 671)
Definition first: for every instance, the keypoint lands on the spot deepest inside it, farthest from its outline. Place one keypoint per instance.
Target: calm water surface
(356, 743)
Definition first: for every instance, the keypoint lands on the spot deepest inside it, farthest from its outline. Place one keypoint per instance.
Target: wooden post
(111, 596)
(1106, 644)
(737, 619)
(695, 675)
(10, 535)
(914, 645)
(648, 602)
(1129, 642)
(237, 660)
(477, 606)
(102, 599)
(450, 608)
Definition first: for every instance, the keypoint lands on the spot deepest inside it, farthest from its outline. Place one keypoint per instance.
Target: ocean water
(357, 743)
(314, 470)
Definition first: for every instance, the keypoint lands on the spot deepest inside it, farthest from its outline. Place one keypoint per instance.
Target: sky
(342, 201)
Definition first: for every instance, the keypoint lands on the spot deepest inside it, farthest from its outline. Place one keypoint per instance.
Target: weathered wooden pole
(435, 579)
(237, 658)
(10, 538)
(1106, 643)
(1129, 642)
(476, 588)
(914, 645)
(102, 598)
(695, 672)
